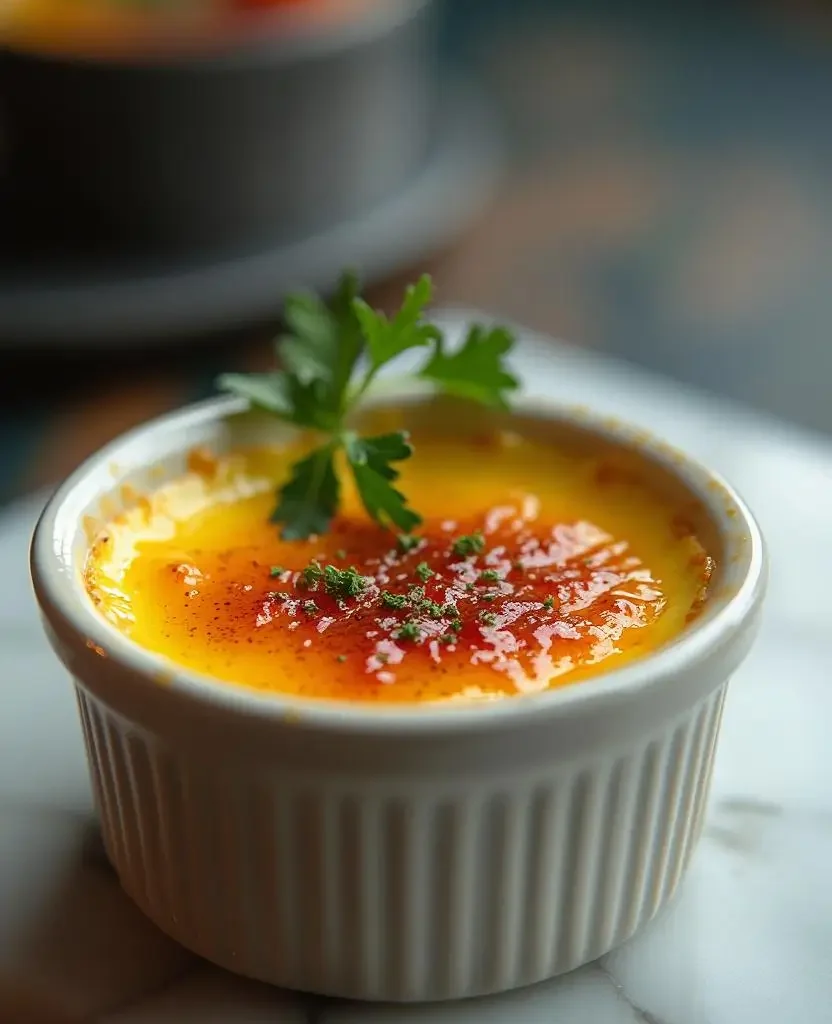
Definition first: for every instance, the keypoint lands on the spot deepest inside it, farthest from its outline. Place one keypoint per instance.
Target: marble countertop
(749, 937)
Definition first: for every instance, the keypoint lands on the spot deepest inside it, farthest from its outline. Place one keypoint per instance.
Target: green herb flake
(311, 575)
(424, 571)
(343, 583)
(341, 658)
(396, 601)
(549, 603)
(447, 638)
(408, 631)
(276, 570)
(340, 553)
(407, 542)
(488, 618)
(431, 608)
(310, 607)
(489, 576)
(469, 544)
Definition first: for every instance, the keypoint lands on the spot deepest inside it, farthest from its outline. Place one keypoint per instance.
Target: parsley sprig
(328, 357)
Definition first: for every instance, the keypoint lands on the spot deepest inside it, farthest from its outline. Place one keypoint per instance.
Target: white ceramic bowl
(386, 853)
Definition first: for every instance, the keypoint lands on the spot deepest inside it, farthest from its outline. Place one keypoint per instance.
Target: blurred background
(653, 183)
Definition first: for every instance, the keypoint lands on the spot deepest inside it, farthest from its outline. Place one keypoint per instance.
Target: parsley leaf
(476, 370)
(370, 459)
(324, 342)
(308, 500)
(351, 337)
(309, 351)
(387, 339)
(283, 395)
(269, 391)
(317, 356)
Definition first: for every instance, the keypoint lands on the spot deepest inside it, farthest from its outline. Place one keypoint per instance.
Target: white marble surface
(748, 940)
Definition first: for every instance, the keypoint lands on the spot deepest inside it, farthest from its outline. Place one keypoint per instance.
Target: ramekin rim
(57, 581)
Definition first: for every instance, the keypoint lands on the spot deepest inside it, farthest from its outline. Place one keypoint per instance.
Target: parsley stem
(355, 397)
(394, 382)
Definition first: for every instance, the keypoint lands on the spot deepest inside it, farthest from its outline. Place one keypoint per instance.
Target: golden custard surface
(570, 567)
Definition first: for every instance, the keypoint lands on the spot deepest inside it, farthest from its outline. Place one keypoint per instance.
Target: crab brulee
(534, 566)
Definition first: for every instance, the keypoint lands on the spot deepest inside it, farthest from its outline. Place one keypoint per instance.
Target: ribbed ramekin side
(401, 890)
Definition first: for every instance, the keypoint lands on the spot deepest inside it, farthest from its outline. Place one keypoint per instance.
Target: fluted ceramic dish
(387, 853)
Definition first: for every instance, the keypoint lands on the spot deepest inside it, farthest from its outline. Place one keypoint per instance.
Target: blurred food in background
(253, 137)
(173, 166)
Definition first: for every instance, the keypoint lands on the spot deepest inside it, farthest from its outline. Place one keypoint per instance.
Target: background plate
(107, 305)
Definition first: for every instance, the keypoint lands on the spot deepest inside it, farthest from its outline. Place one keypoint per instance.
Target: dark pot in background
(270, 141)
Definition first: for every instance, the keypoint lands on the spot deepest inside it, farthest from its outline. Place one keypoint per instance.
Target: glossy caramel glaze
(534, 568)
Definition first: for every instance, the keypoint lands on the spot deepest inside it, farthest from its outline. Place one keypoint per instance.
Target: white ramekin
(417, 854)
